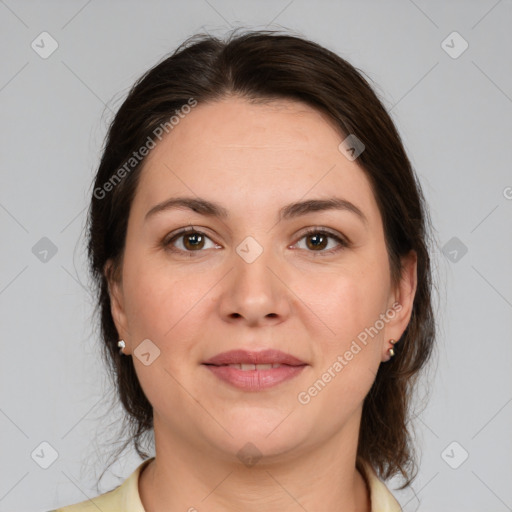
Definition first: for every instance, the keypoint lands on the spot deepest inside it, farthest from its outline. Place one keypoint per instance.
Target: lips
(245, 357)
(250, 366)
(254, 371)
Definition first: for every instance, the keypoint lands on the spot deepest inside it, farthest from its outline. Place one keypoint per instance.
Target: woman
(260, 244)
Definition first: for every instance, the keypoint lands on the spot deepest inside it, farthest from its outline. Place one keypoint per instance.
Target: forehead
(236, 124)
(264, 154)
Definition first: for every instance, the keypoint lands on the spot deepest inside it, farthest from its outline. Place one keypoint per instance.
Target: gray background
(455, 118)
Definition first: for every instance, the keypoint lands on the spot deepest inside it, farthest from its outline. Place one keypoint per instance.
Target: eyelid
(183, 231)
(327, 231)
(342, 240)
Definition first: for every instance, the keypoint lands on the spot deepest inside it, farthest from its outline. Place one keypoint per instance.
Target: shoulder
(121, 499)
(108, 502)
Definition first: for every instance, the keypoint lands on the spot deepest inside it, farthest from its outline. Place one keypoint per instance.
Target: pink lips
(262, 357)
(278, 368)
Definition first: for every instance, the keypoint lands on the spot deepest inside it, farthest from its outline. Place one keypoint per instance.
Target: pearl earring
(390, 350)
(121, 344)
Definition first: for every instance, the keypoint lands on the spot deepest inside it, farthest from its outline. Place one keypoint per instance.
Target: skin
(254, 159)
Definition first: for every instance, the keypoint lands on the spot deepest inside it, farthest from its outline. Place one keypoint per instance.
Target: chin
(267, 435)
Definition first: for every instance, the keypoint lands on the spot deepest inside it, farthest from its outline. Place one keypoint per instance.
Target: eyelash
(343, 243)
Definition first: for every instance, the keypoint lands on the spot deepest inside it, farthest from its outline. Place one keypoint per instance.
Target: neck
(183, 477)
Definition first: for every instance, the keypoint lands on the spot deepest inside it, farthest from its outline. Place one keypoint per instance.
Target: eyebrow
(293, 210)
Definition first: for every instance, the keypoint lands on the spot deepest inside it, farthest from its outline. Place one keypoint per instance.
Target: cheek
(159, 306)
(349, 301)
(154, 299)
(164, 304)
(349, 355)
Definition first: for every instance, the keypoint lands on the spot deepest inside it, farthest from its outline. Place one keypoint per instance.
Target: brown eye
(193, 241)
(317, 240)
(188, 240)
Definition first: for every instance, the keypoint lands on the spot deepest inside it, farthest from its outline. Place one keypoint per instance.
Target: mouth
(254, 371)
(248, 366)
(262, 357)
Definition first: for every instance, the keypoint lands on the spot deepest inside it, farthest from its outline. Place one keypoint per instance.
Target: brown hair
(263, 66)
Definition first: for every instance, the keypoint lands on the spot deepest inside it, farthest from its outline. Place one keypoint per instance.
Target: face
(313, 283)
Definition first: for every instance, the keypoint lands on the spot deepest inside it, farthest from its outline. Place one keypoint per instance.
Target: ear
(402, 301)
(115, 289)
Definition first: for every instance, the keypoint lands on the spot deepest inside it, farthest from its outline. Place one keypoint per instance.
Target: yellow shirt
(125, 497)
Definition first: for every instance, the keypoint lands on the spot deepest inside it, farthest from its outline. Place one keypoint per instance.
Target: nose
(255, 292)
